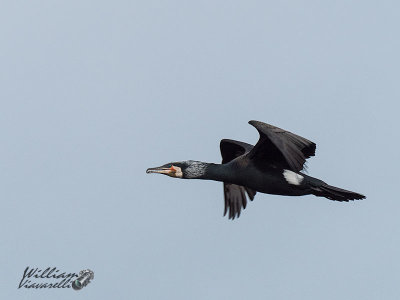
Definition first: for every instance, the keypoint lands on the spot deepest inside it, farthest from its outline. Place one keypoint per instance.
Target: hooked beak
(161, 170)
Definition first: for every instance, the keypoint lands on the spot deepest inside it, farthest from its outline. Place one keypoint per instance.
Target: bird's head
(183, 169)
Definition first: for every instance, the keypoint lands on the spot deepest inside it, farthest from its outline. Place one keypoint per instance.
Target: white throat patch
(178, 172)
(292, 177)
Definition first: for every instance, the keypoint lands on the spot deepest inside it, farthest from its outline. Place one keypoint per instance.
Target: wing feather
(277, 146)
(235, 195)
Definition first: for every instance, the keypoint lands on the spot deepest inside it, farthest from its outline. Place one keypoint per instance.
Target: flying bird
(272, 166)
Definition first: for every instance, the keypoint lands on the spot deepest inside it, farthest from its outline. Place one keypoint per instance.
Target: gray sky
(94, 92)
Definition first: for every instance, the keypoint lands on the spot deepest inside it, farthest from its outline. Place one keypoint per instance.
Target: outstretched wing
(235, 199)
(235, 195)
(230, 149)
(280, 148)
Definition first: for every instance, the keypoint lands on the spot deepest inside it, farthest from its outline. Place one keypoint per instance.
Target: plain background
(94, 92)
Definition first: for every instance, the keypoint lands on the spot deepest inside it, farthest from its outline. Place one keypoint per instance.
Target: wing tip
(260, 125)
(253, 122)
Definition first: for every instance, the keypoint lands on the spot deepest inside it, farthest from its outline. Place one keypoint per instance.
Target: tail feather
(335, 193)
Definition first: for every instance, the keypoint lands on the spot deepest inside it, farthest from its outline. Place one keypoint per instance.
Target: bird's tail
(335, 193)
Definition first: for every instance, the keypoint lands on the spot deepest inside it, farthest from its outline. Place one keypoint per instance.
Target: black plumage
(235, 195)
(272, 166)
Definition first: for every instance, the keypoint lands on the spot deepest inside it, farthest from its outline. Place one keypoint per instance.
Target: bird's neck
(217, 172)
(208, 171)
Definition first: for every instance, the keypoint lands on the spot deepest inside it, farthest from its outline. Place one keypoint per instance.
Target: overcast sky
(94, 92)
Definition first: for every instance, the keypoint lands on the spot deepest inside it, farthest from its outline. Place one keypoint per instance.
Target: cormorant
(272, 166)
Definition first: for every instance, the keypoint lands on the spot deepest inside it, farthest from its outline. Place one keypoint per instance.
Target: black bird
(272, 166)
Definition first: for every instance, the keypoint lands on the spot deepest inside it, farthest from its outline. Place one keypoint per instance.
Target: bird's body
(272, 166)
(242, 172)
